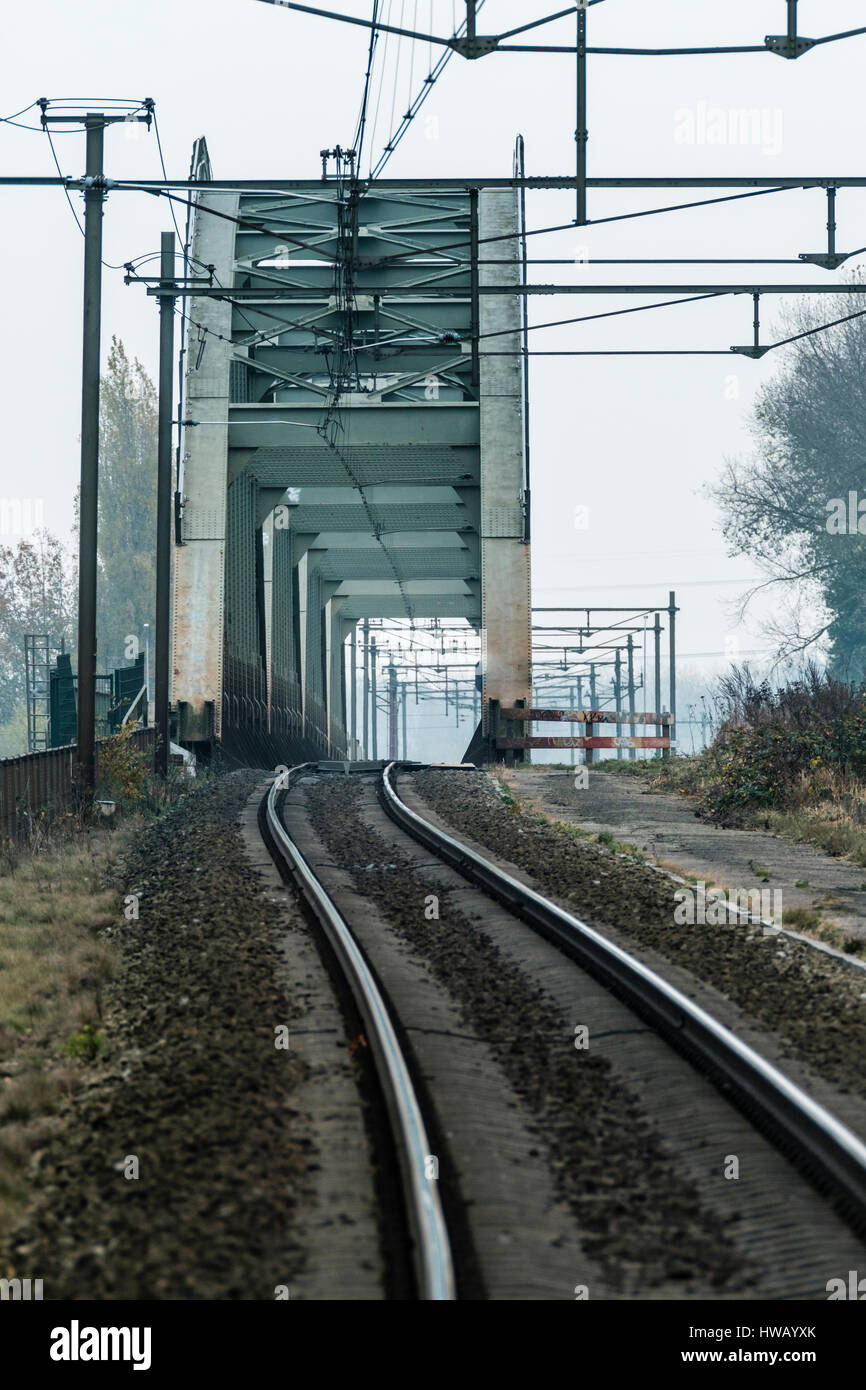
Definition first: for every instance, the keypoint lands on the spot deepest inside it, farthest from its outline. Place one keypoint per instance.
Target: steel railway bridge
(348, 449)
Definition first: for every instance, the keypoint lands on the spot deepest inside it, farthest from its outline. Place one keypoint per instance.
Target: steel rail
(833, 1157)
(432, 1250)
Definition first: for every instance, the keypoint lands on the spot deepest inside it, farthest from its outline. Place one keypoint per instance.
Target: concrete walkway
(666, 828)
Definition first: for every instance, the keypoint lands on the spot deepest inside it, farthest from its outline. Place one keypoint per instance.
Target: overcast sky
(633, 440)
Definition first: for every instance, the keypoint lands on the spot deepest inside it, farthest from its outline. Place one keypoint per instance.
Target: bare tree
(787, 505)
(37, 594)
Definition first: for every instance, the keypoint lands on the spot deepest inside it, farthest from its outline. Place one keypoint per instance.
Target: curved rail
(828, 1149)
(433, 1261)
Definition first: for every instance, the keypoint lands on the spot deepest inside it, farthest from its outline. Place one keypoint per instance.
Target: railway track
(432, 1251)
(828, 1155)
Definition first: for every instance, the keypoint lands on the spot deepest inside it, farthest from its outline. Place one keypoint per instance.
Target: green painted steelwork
(334, 469)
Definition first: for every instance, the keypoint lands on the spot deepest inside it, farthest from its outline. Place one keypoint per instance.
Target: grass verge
(54, 965)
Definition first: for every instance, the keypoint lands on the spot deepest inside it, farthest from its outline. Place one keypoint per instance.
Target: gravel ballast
(814, 1003)
(641, 1222)
(191, 1086)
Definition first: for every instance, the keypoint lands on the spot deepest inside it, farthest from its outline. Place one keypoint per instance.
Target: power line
(181, 239)
(60, 172)
(362, 118)
(610, 314)
(415, 105)
(400, 256)
(47, 130)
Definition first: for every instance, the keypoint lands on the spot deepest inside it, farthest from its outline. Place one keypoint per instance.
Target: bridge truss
(347, 451)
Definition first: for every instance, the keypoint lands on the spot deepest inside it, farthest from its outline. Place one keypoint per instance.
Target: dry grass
(827, 810)
(825, 828)
(53, 968)
(808, 922)
(682, 774)
(801, 919)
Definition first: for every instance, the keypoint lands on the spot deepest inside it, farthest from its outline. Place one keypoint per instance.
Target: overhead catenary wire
(107, 264)
(563, 322)
(434, 73)
(13, 119)
(380, 84)
(766, 347)
(362, 117)
(330, 425)
(608, 314)
(594, 352)
(640, 308)
(60, 172)
(69, 103)
(603, 352)
(162, 190)
(180, 238)
(397, 66)
(401, 256)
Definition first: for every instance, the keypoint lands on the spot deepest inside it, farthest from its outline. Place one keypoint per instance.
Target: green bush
(87, 1043)
(773, 741)
(124, 769)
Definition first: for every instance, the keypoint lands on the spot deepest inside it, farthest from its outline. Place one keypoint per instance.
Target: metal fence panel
(44, 781)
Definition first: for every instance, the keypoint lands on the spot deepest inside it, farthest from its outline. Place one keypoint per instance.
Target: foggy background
(634, 441)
